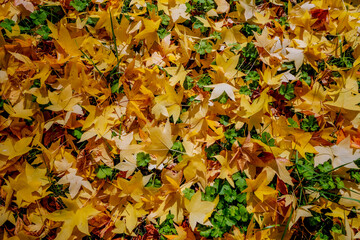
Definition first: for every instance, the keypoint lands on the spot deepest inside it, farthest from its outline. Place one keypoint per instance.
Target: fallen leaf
(199, 211)
(220, 88)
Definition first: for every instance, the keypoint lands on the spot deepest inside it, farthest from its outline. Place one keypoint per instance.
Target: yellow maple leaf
(168, 104)
(63, 101)
(69, 44)
(302, 142)
(133, 188)
(268, 76)
(227, 67)
(161, 141)
(346, 100)
(259, 187)
(226, 171)
(150, 31)
(29, 185)
(73, 215)
(220, 88)
(199, 211)
(194, 168)
(12, 148)
(313, 100)
(19, 110)
(182, 234)
(132, 213)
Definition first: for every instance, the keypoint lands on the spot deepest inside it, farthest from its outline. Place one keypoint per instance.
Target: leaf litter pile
(182, 119)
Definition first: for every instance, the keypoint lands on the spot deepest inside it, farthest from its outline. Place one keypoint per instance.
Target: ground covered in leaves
(181, 119)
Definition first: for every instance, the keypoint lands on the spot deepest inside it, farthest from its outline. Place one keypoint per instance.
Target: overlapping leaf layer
(181, 119)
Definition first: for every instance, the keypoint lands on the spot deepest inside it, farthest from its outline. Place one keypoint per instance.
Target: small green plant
(38, 17)
(249, 59)
(252, 79)
(354, 174)
(142, 159)
(250, 51)
(230, 135)
(283, 21)
(309, 124)
(32, 155)
(267, 139)
(166, 227)
(202, 6)
(56, 189)
(104, 171)
(249, 29)
(165, 19)
(245, 90)
(346, 59)
(79, 5)
(304, 76)
(114, 85)
(319, 179)
(231, 209)
(162, 33)
(188, 193)
(151, 7)
(44, 31)
(235, 47)
(154, 182)
(203, 47)
(224, 120)
(323, 181)
(252, 75)
(188, 83)
(287, 91)
(77, 133)
(205, 80)
(198, 24)
(37, 20)
(321, 224)
(292, 123)
(216, 35)
(7, 24)
(212, 151)
(177, 151)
